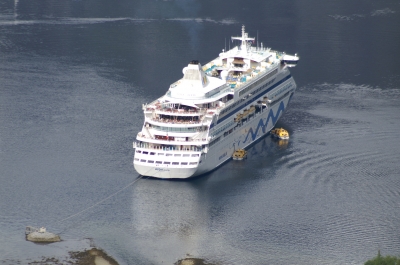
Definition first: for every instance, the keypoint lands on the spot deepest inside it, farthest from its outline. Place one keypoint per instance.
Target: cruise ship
(213, 110)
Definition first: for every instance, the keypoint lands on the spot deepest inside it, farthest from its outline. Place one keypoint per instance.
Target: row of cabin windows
(225, 133)
(167, 162)
(263, 86)
(179, 129)
(248, 89)
(231, 106)
(214, 141)
(257, 83)
(223, 128)
(228, 132)
(168, 154)
(243, 99)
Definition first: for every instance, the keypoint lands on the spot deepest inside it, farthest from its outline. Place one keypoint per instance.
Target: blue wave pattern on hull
(263, 125)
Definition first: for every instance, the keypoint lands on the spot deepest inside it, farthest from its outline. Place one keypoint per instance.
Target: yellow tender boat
(280, 133)
(239, 154)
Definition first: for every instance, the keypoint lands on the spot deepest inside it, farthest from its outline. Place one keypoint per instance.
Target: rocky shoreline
(191, 261)
(93, 256)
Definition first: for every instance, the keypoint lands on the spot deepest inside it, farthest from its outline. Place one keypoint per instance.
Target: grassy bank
(386, 260)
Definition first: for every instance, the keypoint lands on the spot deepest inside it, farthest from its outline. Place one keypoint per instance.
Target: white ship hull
(215, 109)
(241, 137)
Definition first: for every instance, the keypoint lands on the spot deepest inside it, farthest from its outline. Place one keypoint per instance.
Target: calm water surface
(73, 78)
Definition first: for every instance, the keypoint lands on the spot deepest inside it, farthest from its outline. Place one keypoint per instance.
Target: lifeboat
(246, 112)
(238, 117)
(280, 133)
(239, 154)
(252, 109)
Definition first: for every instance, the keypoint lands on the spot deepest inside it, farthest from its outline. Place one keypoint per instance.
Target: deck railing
(175, 140)
(189, 148)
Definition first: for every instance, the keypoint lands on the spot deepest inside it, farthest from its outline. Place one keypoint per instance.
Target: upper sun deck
(215, 88)
(227, 77)
(195, 84)
(220, 77)
(256, 54)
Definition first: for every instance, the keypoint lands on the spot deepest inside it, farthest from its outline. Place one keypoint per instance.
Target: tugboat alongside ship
(214, 110)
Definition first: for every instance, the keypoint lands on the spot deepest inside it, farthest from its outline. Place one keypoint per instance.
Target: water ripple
(82, 21)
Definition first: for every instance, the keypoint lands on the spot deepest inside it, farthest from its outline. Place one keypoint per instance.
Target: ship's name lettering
(161, 169)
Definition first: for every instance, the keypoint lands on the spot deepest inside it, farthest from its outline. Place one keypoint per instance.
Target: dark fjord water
(73, 76)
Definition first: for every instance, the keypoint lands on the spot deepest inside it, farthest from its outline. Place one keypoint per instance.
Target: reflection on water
(313, 191)
(283, 144)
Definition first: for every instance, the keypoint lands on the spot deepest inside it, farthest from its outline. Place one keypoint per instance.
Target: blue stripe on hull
(261, 125)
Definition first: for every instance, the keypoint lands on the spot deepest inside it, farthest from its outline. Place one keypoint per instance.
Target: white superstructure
(213, 110)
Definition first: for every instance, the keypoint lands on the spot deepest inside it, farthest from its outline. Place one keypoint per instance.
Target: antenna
(225, 43)
(257, 39)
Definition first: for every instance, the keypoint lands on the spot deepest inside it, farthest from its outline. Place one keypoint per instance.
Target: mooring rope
(84, 210)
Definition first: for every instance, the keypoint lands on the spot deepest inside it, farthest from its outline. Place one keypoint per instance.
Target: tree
(387, 260)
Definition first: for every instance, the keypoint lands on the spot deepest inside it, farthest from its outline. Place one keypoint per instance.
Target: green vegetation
(387, 260)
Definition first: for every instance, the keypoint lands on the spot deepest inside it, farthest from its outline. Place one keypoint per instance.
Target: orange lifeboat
(280, 133)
